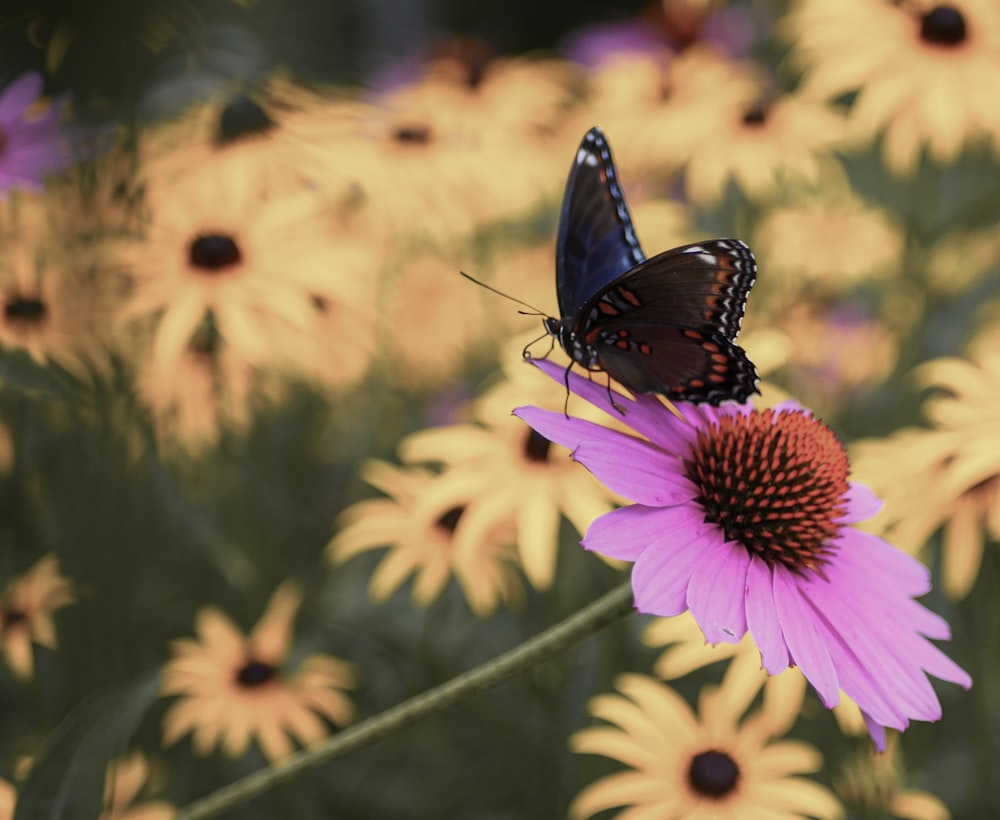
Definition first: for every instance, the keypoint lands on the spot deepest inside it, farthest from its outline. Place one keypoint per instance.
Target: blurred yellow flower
(761, 145)
(449, 152)
(26, 610)
(949, 475)
(125, 780)
(962, 259)
(805, 242)
(513, 475)
(234, 688)
(684, 765)
(268, 270)
(826, 350)
(431, 319)
(874, 785)
(926, 74)
(8, 799)
(197, 396)
(53, 308)
(432, 535)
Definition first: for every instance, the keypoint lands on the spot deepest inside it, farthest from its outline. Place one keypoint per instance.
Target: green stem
(605, 610)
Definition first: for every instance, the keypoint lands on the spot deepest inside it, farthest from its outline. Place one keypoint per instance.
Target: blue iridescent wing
(596, 242)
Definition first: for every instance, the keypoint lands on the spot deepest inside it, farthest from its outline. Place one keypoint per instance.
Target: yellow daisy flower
(802, 242)
(949, 475)
(874, 785)
(26, 610)
(426, 524)
(432, 320)
(8, 800)
(511, 473)
(654, 107)
(684, 765)
(927, 75)
(52, 307)
(125, 780)
(233, 688)
(267, 270)
(207, 390)
(761, 145)
(429, 158)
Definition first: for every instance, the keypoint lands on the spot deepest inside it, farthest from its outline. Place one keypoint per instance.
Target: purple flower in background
(744, 517)
(32, 143)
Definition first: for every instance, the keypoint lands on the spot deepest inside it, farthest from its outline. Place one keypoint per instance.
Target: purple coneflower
(744, 517)
(32, 143)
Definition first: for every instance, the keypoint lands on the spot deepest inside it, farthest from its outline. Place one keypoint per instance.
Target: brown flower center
(449, 520)
(255, 673)
(755, 116)
(11, 617)
(536, 447)
(214, 252)
(775, 483)
(27, 309)
(414, 134)
(943, 26)
(240, 117)
(713, 774)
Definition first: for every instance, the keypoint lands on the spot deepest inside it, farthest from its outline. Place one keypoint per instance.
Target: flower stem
(605, 610)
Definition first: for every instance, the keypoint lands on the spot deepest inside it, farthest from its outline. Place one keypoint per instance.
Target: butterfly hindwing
(669, 325)
(596, 242)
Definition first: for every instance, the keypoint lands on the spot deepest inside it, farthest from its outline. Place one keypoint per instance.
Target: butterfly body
(667, 324)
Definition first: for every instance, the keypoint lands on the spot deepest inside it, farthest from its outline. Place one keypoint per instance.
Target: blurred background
(259, 474)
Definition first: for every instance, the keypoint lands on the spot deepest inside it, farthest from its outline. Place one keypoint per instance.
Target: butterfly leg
(611, 397)
(566, 381)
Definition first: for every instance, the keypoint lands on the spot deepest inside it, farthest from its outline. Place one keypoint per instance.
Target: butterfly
(663, 325)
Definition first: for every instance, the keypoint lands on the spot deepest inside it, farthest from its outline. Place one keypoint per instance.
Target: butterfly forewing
(596, 242)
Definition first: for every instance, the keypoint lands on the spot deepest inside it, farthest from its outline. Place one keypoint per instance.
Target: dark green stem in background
(605, 610)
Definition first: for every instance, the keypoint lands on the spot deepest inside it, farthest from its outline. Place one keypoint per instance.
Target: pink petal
(660, 577)
(20, 94)
(875, 731)
(626, 532)
(862, 504)
(762, 618)
(636, 470)
(566, 432)
(716, 594)
(644, 414)
(804, 645)
(882, 645)
(870, 558)
(860, 686)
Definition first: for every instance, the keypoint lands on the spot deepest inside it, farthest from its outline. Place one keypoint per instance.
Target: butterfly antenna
(534, 311)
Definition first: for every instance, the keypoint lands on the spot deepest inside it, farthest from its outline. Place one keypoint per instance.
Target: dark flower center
(413, 134)
(242, 116)
(943, 26)
(255, 673)
(775, 482)
(449, 521)
(10, 617)
(28, 309)
(214, 252)
(713, 774)
(536, 447)
(755, 116)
